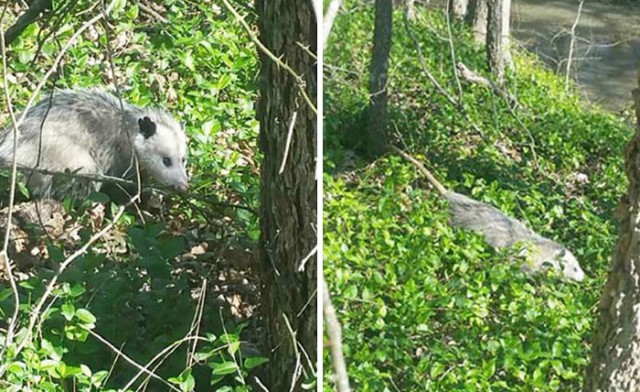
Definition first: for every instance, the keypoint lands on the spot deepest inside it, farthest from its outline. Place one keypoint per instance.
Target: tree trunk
(495, 52)
(616, 342)
(458, 8)
(506, 31)
(477, 17)
(410, 9)
(377, 129)
(288, 200)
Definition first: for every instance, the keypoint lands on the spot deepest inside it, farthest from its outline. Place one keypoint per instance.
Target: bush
(427, 307)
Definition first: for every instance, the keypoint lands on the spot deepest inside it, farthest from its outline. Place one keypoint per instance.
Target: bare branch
(4, 255)
(131, 361)
(571, 46)
(452, 48)
(30, 16)
(433, 80)
(329, 17)
(334, 332)
(153, 13)
(475, 78)
(287, 145)
(299, 80)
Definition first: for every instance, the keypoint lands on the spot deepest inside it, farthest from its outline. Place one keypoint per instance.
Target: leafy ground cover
(141, 288)
(427, 307)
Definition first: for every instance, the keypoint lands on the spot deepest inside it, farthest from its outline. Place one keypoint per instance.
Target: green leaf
(118, 6)
(223, 368)
(223, 81)
(98, 378)
(253, 362)
(133, 11)
(6, 293)
(85, 316)
(68, 311)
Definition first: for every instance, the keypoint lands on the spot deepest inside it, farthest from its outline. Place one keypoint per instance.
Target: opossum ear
(147, 127)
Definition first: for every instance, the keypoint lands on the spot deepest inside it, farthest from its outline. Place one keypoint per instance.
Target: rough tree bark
(615, 358)
(506, 31)
(288, 199)
(377, 128)
(477, 17)
(410, 9)
(458, 8)
(495, 50)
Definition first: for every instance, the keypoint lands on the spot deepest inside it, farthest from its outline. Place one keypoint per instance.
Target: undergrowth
(427, 307)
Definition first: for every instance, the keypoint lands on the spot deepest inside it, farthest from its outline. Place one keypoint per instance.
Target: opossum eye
(166, 161)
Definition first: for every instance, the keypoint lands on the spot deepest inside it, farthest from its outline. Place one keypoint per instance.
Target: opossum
(89, 131)
(501, 231)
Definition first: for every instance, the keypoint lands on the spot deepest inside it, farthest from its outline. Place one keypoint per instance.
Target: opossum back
(501, 231)
(76, 130)
(498, 229)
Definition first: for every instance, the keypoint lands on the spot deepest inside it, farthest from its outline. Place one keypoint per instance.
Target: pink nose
(182, 187)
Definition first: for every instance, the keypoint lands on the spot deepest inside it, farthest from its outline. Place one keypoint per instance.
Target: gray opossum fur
(501, 231)
(89, 131)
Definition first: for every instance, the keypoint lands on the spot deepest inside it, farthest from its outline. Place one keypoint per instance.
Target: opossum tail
(441, 189)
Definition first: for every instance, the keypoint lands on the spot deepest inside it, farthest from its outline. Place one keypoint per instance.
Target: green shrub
(138, 289)
(427, 307)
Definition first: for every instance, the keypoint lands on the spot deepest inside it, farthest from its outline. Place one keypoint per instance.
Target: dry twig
(334, 332)
(571, 46)
(299, 80)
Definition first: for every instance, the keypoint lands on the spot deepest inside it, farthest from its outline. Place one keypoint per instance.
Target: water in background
(607, 48)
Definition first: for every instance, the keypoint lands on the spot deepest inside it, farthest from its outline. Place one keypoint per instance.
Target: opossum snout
(182, 187)
(570, 266)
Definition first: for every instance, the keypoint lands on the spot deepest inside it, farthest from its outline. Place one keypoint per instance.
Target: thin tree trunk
(506, 31)
(615, 358)
(458, 8)
(288, 201)
(377, 129)
(477, 18)
(495, 52)
(410, 9)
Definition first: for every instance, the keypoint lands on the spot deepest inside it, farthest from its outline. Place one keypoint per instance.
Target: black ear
(147, 127)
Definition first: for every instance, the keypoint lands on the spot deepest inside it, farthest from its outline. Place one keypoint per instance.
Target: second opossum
(501, 231)
(92, 132)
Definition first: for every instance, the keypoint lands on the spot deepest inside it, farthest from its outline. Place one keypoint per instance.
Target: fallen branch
(334, 332)
(472, 77)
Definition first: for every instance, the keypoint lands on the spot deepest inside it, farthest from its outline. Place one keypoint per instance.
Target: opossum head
(546, 254)
(161, 147)
(569, 265)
